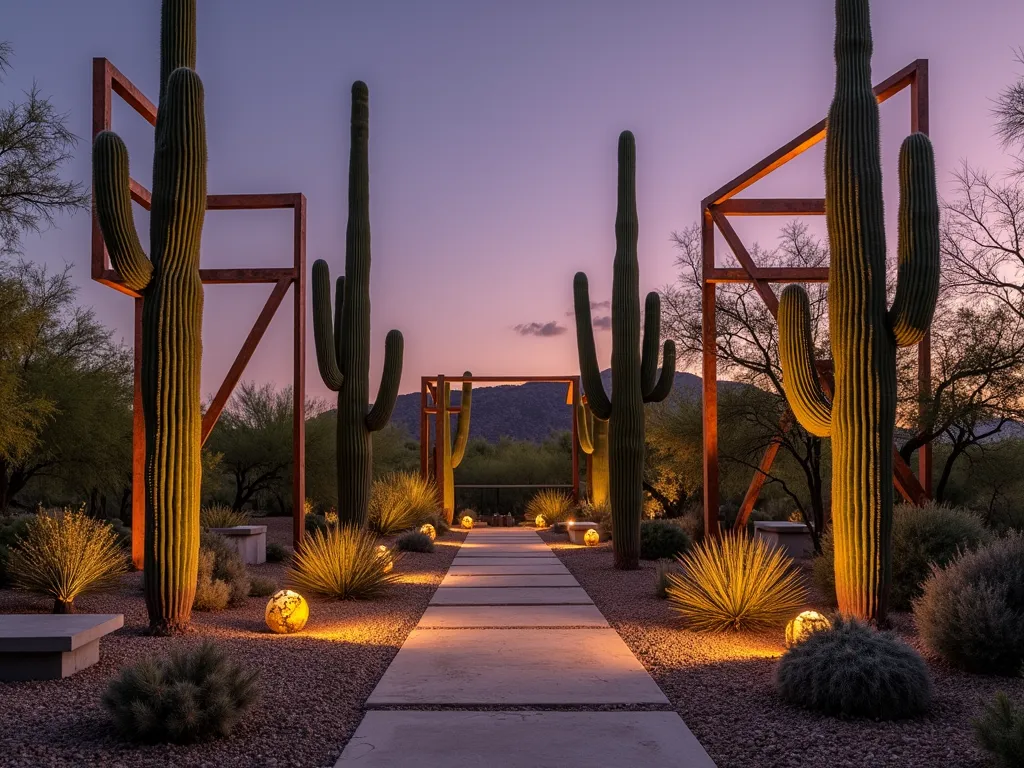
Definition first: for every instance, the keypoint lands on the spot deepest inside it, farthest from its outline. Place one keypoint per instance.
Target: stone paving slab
(517, 552)
(480, 667)
(505, 580)
(511, 596)
(511, 616)
(413, 739)
(467, 561)
(535, 569)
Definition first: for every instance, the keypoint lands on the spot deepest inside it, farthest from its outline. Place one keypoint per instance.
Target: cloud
(602, 323)
(593, 305)
(542, 330)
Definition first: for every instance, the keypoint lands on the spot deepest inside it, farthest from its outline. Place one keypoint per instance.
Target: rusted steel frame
(761, 476)
(785, 206)
(763, 289)
(709, 373)
(769, 275)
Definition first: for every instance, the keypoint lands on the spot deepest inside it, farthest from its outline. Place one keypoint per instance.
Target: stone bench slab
(49, 647)
(249, 541)
(511, 596)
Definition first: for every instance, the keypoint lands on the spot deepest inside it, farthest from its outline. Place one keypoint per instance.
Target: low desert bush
(921, 537)
(852, 670)
(64, 555)
(276, 553)
(190, 697)
(221, 516)
(660, 539)
(1000, 731)
(600, 514)
(315, 522)
(212, 594)
(735, 582)
(399, 501)
(344, 563)
(972, 611)
(554, 505)
(662, 572)
(414, 541)
(441, 526)
(261, 587)
(227, 567)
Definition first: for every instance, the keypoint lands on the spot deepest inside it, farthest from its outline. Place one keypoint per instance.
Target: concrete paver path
(510, 626)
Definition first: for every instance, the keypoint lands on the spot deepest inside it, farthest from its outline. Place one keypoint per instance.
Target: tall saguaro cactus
(635, 379)
(864, 332)
(172, 312)
(451, 456)
(343, 344)
(593, 440)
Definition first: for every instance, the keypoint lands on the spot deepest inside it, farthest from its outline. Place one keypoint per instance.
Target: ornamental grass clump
(65, 555)
(660, 539)
(852, 670)
(554, 505)
(972, 611)
(414, 541)
(735, 583)
(222, 516)
(192, 696)
(343, 563)
(400, 501)
(1000, 731)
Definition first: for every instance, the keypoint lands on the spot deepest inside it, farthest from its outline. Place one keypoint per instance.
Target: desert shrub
(12, 529)
(414, 541)
(662, 571)
(441, 526)
(921, 536)
(399, 501)
(852, 670)
(315, 522)
(343, 562)
(192, 696)
(600, 514)
(1000, 731)
(227, 567)
(972, 611)
(554, 505)
(467, 512)
(735, 582)
(660, 539)
(261, 587)
(221, 516)
(276, 553)
(64, 555)
(212, 594)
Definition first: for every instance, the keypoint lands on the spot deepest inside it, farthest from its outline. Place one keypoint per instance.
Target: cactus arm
(590, 371)
(114, 211)
(651, 343)
(339, 306)
(668, 376)
(584, 422)
(917, 287)
(391, 378)
(462, 425)
(803, 391)
(326, 352)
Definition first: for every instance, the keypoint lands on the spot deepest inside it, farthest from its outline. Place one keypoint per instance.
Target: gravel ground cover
(722, 686)
(313, 684)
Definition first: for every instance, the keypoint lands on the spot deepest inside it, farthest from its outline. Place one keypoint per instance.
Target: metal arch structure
(716, 209)
(108, 81)
(431, 404)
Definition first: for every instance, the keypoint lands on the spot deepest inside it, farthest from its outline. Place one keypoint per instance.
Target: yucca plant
(222, 516)
(342, 562)
(554, 505)
(735, 583)
(192, 696)
(1000, 731)
(65, 555)
(399, 501)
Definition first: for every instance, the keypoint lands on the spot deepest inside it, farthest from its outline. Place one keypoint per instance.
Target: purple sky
(492, 142)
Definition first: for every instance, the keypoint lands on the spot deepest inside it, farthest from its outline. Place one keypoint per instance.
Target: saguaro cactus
(343, 344)
(635, 379)
(864, 332)
(451, 456)
(593, 440)
(172, 312)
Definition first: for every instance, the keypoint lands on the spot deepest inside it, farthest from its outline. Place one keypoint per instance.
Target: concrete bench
(44, 646)
(578, 530)
(793, 538)
(249, 541)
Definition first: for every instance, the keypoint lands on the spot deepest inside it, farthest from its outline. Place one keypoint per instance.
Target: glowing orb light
(287, 612)
(428, 530)
(805, 625)
(591, 537)
(467, 522)
(540, 521)
(385, 554)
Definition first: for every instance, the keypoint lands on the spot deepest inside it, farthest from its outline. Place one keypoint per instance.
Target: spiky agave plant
(735, 583)
(401, 500)
(553, 505)
(66, 555)
(343, 563)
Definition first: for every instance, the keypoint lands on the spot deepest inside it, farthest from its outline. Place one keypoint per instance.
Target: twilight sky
(493, 129)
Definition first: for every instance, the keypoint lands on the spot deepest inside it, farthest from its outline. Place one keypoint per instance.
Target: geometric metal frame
(716, 209)
(107, 80)
(431, 385)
